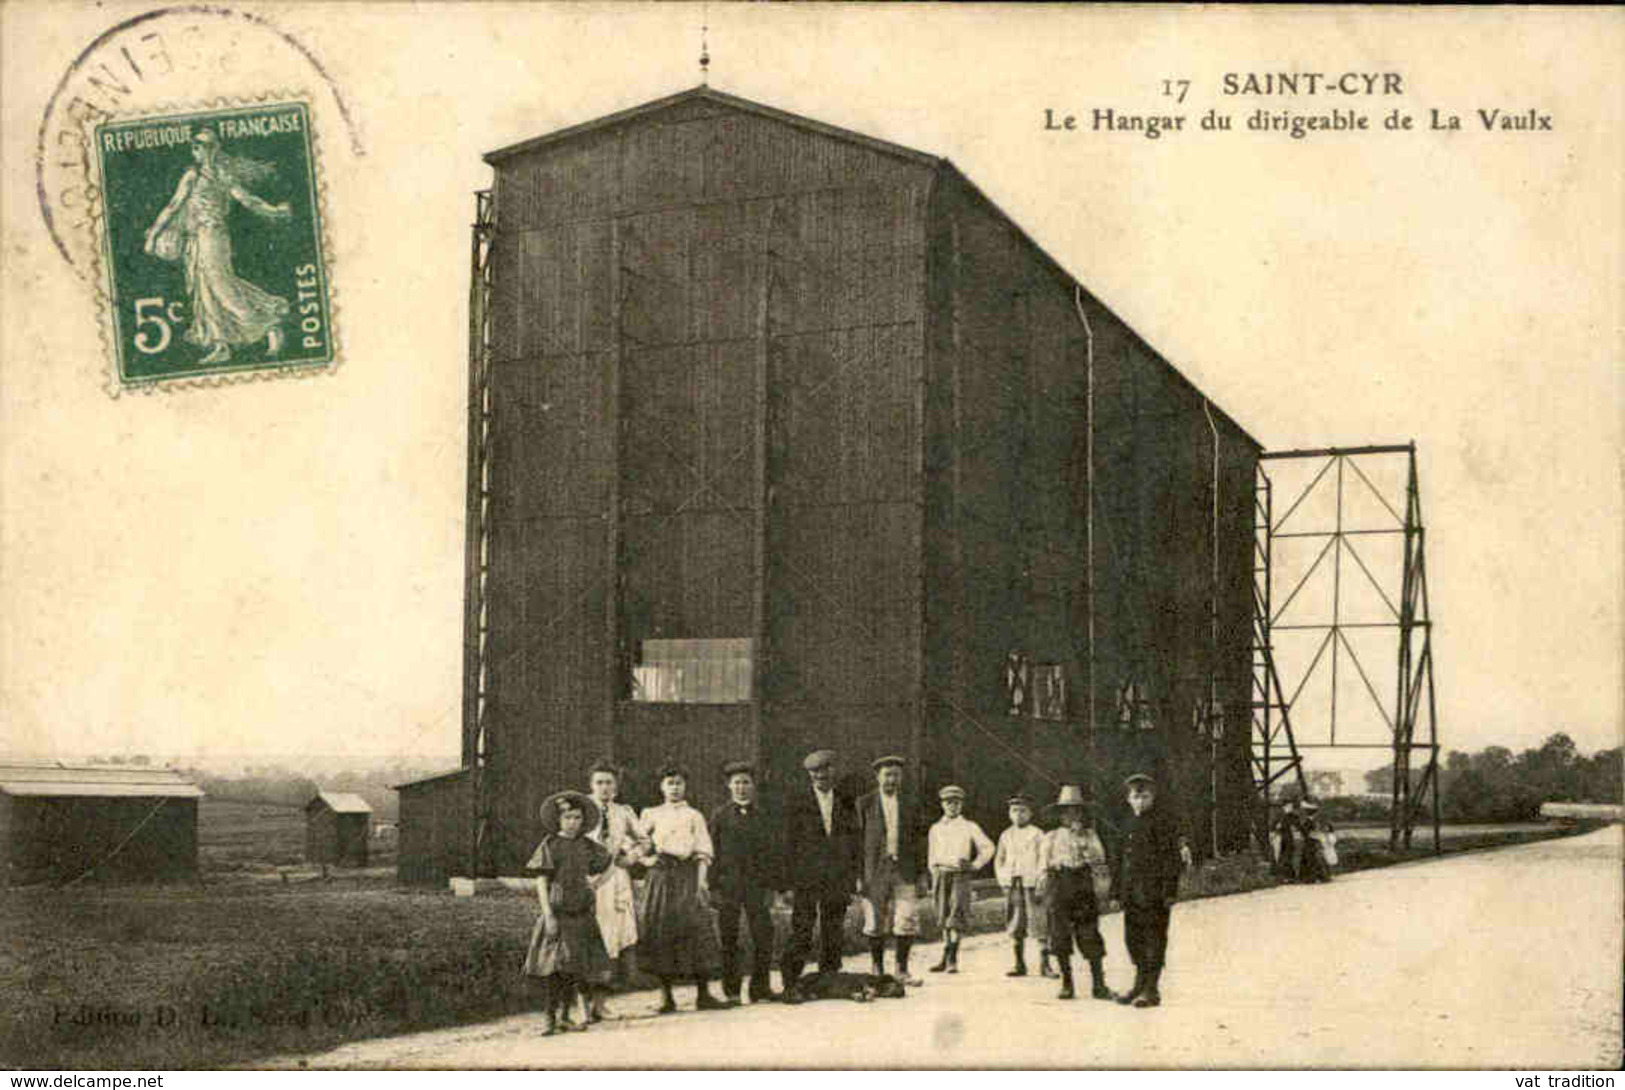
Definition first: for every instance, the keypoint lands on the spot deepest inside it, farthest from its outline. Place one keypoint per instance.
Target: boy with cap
(956, 848)
(819, 849)
(1071, 857)
(888, 828)
(744, 873)
(1016, 865)
(1147, 884)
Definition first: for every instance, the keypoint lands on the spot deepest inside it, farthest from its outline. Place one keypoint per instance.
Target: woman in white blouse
(675, 935)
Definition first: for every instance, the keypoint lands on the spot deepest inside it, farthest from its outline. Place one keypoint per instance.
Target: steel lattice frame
(476, 740)
(1414, 707)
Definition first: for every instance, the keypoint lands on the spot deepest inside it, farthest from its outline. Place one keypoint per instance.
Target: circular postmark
(190, 53)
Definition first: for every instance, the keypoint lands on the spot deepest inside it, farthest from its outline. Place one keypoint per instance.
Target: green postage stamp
(212, 245)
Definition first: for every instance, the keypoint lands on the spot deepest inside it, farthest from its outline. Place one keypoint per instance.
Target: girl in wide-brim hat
(566, 951)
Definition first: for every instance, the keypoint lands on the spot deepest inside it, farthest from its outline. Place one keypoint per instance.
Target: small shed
(437, 826)
(61, 823)
(337, 828)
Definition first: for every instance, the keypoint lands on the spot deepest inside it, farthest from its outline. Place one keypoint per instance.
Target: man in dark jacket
(1146, 882)
(744, 872)
(819, 853)
(889, 820)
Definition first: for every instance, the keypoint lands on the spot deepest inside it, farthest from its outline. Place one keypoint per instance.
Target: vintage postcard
(869, 537)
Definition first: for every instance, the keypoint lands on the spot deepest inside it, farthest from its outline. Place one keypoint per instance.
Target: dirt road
(1504, 959)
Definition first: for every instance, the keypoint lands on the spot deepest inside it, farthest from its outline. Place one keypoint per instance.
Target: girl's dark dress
(578, 949)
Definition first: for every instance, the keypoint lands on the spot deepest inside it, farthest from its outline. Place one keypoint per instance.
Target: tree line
(1496, 784)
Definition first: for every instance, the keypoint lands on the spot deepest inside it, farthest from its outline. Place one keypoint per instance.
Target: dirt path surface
(1504, 959)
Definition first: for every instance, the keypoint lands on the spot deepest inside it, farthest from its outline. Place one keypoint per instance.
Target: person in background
(1147, 884)
(617, 833)
(675, 940)
(820, 854)
(1017, 867)
(566, 952)
(1072, 861)
(1313, 835)
(888, 824)
(1286, 848)
(743, 878)
(956, 848)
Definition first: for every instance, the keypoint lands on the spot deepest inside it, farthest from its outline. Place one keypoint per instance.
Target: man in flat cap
(744, 873)
(819, 853)
(1146, 882)
(889, 827)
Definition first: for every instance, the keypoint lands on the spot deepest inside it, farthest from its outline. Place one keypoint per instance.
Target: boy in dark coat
(1146, 883)
(744, 873)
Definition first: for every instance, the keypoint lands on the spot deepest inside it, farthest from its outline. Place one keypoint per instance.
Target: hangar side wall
(1008, 550)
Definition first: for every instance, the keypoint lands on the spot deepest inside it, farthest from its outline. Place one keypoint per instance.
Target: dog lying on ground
(858, 987)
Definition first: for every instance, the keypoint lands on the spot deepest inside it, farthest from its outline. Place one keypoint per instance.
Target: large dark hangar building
(782, 437)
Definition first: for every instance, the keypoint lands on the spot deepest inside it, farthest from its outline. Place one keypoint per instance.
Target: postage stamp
(212, 244)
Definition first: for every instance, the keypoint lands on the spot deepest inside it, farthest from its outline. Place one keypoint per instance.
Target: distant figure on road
(1147, 884)
(1286, 842)
(820, 853)
(1316, 842)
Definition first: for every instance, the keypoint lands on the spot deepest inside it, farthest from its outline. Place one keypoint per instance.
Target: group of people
(1305, 843)
(703, 877)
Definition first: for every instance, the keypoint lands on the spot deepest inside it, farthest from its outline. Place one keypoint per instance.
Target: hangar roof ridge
(722, 98)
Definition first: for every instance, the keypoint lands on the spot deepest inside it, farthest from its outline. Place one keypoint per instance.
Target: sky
(276, 567)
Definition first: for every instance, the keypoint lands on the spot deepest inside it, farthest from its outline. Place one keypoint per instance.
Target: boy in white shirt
(956, 849)
(1017, 865)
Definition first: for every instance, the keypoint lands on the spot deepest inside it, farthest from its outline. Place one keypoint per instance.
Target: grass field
(265, 957)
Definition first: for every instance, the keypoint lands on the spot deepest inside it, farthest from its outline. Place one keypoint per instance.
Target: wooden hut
(784, 437)
(62, 823)
(436, 828)
(338, 828)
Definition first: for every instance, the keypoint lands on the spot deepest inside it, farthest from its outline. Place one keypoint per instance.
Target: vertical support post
(762, 487)
(916, 748)
(615, 662)
(476, 746)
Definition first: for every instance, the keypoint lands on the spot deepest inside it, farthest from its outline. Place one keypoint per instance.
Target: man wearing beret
(819, 867)
(889, 824)
(1146, 883)
(744, 873)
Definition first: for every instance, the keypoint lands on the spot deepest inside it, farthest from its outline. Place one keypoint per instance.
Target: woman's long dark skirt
(676, 936)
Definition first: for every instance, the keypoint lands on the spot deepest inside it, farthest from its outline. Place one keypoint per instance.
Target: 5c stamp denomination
(212, 244)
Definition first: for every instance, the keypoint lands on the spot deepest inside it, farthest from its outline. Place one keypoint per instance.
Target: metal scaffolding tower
(1346, 516)
(476, 740)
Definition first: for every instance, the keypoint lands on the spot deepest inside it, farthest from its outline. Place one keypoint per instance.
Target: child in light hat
(956, 848)
(1016, 864)
(1072, 857)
